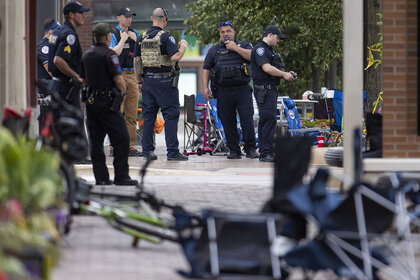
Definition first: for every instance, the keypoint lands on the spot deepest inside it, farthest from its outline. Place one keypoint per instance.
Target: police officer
(65, 54)
(227, 64)
(267, 69)
(42, 49)
(102, 71)
(123, 42)
(155, 55)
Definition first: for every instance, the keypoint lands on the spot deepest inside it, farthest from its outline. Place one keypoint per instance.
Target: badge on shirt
(260, 51)
(45, 49)
(115, 60)
(67, 49)
(71, 39)
(172, 39)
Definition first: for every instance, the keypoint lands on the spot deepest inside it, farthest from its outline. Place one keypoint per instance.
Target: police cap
(101, 29)
(274, 30)
(75, 7)
(125, 12)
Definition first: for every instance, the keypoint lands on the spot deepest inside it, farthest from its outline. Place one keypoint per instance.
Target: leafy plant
(26, 174)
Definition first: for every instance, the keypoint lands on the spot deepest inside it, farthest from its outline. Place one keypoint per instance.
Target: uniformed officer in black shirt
(65, 53)
(227, 64)
(102, 71)
(267, 69)
(155, 55)
(42, 49)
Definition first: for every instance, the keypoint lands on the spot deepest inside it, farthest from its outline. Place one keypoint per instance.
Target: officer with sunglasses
(267, 70)
(155, 58)
(227, 66)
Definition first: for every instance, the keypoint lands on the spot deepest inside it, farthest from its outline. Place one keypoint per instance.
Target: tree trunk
(316, 83)
(332, 76)
(373, 81)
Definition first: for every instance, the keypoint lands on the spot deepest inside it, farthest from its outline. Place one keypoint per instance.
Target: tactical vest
(231, 69)
(126, 57)
(151, 55)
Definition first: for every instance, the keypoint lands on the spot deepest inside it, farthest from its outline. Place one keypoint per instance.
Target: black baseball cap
(75, 7)
(274, 30)
(125, 12)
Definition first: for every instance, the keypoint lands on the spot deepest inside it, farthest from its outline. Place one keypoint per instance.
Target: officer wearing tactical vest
(102, 71)
(227, 65)
(123, 42)
(267, 69)
(155, 56)
(65, 54)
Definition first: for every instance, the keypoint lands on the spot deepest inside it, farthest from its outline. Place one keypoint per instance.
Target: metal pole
(352, 77)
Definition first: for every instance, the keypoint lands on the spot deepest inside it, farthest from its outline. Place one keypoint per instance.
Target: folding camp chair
(294, 125)
(195, 128)
(356, 236)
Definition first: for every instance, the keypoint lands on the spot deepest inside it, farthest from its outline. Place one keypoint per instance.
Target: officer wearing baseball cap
(65, 53)
(123, 43)
(267, 70)
(103, 74)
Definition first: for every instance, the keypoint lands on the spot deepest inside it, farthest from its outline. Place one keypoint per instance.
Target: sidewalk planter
(30, 189)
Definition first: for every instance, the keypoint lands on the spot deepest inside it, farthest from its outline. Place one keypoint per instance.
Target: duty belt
(158, 75)
(265, 87)
(61, 80)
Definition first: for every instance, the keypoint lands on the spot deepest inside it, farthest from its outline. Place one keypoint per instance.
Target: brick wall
(400, 79)
(85, 31)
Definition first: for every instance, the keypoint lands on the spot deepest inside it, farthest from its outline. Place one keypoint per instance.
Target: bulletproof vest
(231, 69)
(151, 55)
(277, 61)
(126, 57)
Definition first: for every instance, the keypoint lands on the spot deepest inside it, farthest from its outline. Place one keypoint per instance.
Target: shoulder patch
(172, 39)
(260, 51)
(71, 39)
(45, 49)
(115, 60)
(53, 39)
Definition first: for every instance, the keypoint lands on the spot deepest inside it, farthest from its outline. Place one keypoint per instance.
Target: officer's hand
(132, 35)
(206, 93)
(288, 76)
(81, 80)
(183, 43)
(231, 45)
(123, 36)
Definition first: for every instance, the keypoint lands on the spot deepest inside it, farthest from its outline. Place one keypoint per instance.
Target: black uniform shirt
(212, 56)
(168, 46)
(100, 65)
(64, 43)
(42, 51)
(262, 54)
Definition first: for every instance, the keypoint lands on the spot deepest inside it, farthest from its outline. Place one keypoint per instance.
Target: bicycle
(141, 215)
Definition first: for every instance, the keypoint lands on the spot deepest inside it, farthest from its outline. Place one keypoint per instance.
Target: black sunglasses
(226, 23)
